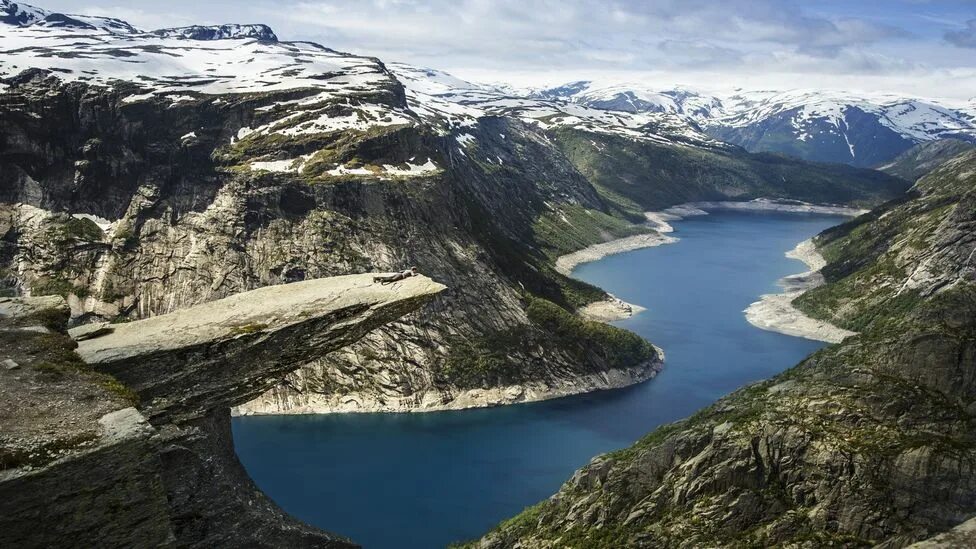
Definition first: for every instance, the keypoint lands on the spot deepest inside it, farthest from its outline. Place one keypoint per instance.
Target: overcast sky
(924, 47)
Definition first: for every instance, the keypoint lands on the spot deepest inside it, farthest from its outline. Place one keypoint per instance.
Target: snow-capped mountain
(188, 63)
(179, 63)
(436, 95)
(191, 62)
(821, 125)
(630, 97)
(219, 32)
(836, 126)
(24, 15)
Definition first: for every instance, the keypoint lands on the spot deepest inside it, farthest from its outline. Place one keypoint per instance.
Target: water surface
(424, 480)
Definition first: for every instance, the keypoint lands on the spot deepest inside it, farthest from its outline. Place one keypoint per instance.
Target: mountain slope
(925, 157)
(869, 442)
(147, 172)
(637, 176)
(152, 183)
(645, 159)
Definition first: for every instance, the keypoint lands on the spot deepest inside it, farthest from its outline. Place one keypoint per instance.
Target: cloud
(738, 39)
(142, 19)
(965, 38)
(575, 33)
(699, 54)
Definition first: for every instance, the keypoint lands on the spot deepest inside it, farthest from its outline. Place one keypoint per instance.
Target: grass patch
(57, 286)
(244, 329)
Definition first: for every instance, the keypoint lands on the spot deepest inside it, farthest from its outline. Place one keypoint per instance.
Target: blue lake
(424, 480)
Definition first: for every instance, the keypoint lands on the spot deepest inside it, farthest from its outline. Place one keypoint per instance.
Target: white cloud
(731, 40)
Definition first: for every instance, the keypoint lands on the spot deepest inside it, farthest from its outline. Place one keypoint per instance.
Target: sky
(918, 47)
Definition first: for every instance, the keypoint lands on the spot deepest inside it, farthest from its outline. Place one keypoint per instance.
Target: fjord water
(424, 480)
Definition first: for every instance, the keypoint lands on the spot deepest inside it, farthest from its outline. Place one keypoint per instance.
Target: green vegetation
(79, 228)
(619, 348)
(572, 227)
(127, 236)
(501, 357)
(878, 408)
(57, 286)
(244, 329)
(487, 361)
(635, 176)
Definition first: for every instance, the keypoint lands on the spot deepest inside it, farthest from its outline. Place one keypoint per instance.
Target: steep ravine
(865, 443)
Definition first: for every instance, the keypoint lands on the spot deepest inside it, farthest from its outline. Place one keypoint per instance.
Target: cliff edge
(127, 433)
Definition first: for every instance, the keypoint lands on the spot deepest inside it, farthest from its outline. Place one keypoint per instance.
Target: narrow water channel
(402, 481)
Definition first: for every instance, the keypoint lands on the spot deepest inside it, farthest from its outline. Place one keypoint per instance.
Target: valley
(191, 220)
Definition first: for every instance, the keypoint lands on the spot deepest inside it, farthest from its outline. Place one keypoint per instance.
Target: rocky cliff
(171, 221)
(869, 442)
(128, 438)
(135, 191)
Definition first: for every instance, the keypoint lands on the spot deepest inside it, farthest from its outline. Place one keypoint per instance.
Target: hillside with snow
(822, 125)
(182, 64)
(438, 96)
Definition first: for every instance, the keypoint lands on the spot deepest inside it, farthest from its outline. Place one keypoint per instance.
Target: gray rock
(166, 474)
(90, 331)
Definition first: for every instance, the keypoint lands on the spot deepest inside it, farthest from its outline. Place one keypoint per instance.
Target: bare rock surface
(226, 352)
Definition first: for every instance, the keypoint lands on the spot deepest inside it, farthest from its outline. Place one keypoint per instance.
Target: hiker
(396, 277)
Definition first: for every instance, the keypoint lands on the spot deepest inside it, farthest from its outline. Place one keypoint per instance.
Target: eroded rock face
(183, 219)
(226, 352)
(80, 460)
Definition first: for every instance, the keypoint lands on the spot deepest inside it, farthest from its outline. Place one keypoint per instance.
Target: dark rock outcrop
(219, 32)
(192, 221)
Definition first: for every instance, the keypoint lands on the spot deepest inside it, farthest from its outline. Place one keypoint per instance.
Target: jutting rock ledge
(163, 472)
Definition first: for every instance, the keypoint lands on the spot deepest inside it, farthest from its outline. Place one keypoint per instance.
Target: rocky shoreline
(613, 308)
(610, 310)
(776, 313)
(659, 222)
(566, 263)
(445, 400)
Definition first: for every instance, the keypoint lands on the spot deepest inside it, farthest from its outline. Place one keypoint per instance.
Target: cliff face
(190, 214)
(132, 208)
(129, 439)
(869, 442)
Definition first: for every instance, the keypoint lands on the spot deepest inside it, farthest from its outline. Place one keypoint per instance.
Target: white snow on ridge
(168, 65)
(437, 96)
(412, 170)
(914, 118)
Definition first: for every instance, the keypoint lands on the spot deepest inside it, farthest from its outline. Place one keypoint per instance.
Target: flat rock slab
(90, 331)
(225, 352)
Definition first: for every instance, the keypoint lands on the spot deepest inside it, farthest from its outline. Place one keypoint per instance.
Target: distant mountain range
(817, 125)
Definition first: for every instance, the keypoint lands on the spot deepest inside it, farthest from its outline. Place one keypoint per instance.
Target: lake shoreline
(455, 399)
(613, 309)
(776, 312)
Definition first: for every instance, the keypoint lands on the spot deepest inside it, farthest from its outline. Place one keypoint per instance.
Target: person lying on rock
(395, 277)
